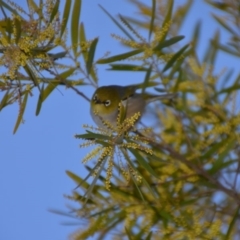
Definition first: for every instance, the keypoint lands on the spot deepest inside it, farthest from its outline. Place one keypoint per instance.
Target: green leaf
(21, 111)
(214, 51)
(137, 188)
(6, 30)
(67, 73)
(56, 56)
(31, 74)
(168, 42)
(196, 35)
(119, 25)
(235, 86)
(39, 103)
(221, 162)
(119, 57)
(105, 211)
(146, 80)
(223, 23)
(152, 19)
(5, 5)
(124, 151)
(35, 7)
(228, 50)
(96, 176)
(44, 94)
(77, 179)
(145, 165)
(91, 135)
(50, 87)
(54, 10)
(232, 223)
(5, 99)
(74, 25)
(40, 49)
(65, 16)
(167, 20)
(214, 149)
(143, 179)
(83, 42)
(219, 5)
(128, 234)
(127, 67)
(91, 55)
(18, 29)
(149, 236)
(181, 13)
(174, 58)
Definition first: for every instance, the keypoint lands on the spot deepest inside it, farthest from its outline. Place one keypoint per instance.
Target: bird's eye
(107, 103)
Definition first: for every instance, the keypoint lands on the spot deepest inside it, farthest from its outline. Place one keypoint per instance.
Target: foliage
(172, 174)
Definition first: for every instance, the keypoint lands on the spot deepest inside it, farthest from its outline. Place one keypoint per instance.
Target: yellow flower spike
(109, 171)
(92, 154)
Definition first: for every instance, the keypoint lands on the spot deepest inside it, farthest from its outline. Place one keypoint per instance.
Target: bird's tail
(153, 98)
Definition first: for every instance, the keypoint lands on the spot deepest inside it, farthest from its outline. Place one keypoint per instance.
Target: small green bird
(105, 102)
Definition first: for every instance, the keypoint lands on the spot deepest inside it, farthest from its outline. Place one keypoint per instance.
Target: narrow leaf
(127, 67)
(67, 73)
(77, 179)
(214, 149)
(54, 10)
(65, 16)
(5, 5)
(223, 23)
(39, 103)
(196, 35)
(146, 80)
(152, 19)
(228, 50)
(128, 234)
(168, 42)
(92, 135)
(31, 74)
(220, 162)
(90, 189)
(214, 51)
(174, 58)
(143, 163)
(21, 111)
(120, 27)
(75, 24)
(149, 236)
(167, 20)
(5, 99)
(50, 87)
(91, 55)
(18, 28)
(83, 42)
(56, 56)
(232, 223)
(119, 57)
(34, 6)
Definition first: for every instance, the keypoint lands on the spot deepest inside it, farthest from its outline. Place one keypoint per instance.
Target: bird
(106, 99)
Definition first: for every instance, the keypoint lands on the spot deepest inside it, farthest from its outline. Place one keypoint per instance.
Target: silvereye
(105, 102)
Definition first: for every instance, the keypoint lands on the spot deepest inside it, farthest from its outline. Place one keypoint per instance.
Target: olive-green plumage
(106, 99)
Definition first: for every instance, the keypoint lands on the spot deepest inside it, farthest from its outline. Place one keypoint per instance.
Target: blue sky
(34, 160)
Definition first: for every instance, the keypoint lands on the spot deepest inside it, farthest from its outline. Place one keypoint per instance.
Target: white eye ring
(107, 103)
